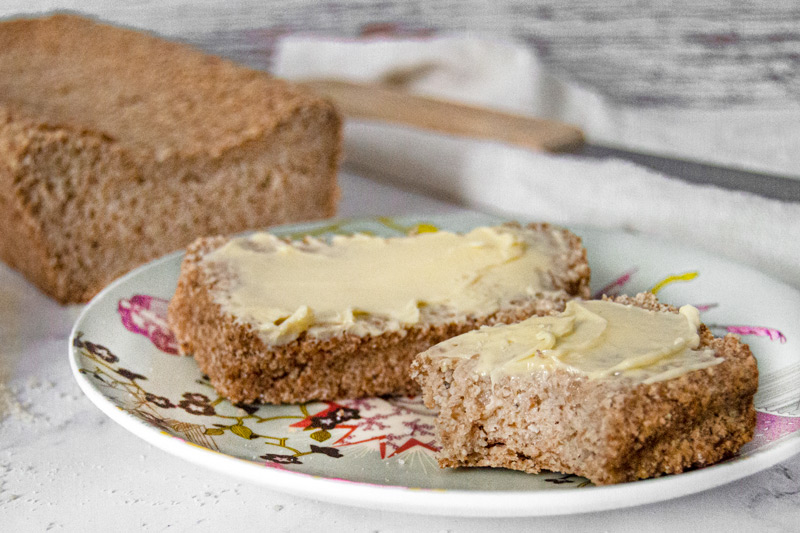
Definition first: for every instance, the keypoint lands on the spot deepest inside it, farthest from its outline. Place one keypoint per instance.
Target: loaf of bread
(276, 321)
(117, 147)
(685, 401)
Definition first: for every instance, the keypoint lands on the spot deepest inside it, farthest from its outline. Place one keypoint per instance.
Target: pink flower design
(705, 307)
(758, 331)
(770, 428)
(417, 427)
(372, 423)
(147, 315)
(613, 288)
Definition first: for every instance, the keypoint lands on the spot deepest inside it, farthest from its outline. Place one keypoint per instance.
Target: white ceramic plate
(378, 453)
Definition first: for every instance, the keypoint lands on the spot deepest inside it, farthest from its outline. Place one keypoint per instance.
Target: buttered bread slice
(273, 320)
(610, 390)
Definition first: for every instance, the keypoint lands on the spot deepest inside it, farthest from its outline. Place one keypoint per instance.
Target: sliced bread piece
(276, 321)
(528, 397)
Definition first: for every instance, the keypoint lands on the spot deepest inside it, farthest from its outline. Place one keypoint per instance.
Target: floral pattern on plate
(123, 350)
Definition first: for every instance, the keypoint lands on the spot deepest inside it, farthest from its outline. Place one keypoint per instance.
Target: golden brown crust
(117, 147)
(606, 430)
(572, 272)
(148, 86)
(245, 369)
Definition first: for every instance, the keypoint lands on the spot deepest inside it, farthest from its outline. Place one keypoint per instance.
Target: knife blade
(772, 186)
(373, 102)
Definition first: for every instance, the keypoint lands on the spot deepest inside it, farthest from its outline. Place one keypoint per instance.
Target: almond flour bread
(611, 390)
(276, 321)
(117, 147)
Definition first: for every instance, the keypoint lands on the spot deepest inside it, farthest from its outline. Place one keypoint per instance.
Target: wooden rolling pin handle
(390, 105)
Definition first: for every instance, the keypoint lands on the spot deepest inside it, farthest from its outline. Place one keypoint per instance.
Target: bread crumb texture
(607, 430)
(117, 147)
(243, 367)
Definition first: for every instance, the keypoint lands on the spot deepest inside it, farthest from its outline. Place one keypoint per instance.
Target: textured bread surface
(117, 147)
(608, 431)
(243, 368)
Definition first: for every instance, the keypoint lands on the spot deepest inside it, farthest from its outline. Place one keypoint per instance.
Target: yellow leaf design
(425, 228)
(321, 435)
(214, 431)
(688, 276)
(243, 431)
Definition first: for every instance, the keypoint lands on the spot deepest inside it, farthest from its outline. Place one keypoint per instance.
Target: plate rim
(431, 501)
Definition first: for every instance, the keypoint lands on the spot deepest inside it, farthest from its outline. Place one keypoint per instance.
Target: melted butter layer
(599, 339)
(363, 284)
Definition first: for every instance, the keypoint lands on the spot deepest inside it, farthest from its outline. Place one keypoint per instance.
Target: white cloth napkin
(563, 189)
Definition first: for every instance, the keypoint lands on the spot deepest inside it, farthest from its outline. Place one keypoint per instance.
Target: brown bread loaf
(117, 147)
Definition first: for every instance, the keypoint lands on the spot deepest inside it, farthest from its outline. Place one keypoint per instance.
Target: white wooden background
(701, 54)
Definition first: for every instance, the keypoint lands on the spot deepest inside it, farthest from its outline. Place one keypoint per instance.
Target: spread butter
(598, 339)
(364, 284)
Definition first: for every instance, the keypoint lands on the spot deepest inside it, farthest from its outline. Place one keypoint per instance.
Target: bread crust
(117, 147)
(243, 368)
(609, 431)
